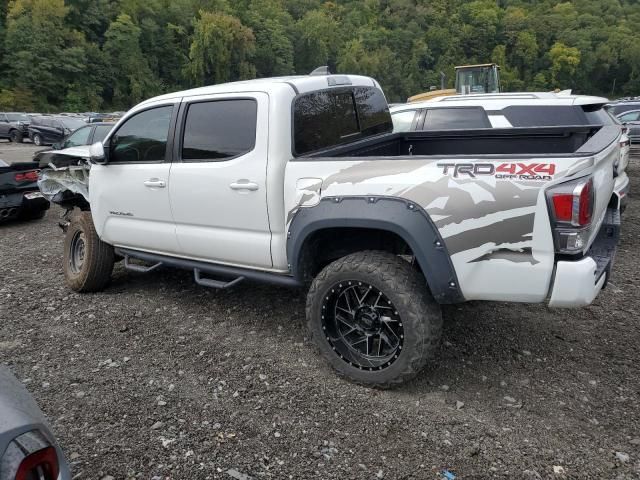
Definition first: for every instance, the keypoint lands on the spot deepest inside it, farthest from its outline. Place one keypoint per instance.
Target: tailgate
(602, 155)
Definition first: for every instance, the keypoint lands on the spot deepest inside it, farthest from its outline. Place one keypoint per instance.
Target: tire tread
(409, 286)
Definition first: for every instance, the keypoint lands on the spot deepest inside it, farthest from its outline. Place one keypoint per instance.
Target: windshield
(72, 123)
(101, 132)
(17, 117)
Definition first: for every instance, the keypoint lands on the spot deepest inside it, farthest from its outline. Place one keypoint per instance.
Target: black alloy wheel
(362, 325)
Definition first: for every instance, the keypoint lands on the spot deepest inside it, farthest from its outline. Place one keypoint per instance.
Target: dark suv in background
(14, 126)
(46, 130)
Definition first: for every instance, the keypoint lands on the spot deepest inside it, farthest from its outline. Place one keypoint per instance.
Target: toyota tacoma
(301, 182)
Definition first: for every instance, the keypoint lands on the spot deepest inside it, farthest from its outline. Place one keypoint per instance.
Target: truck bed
(490, 141)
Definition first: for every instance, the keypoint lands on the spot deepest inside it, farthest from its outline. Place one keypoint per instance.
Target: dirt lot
(17, 152)
(159, 378)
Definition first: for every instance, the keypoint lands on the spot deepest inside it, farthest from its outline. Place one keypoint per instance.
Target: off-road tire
(37, 140)
(406, 288)
(94, 273)
(15, 136)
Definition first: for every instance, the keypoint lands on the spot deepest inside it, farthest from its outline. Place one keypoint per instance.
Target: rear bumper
(577, 283)
(12, 205)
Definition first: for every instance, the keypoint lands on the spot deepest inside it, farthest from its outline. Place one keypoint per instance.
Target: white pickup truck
(300, 181)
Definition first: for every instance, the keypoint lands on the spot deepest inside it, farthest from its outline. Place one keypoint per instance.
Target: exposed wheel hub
(361, 325)
(77, 252)
(368, 319)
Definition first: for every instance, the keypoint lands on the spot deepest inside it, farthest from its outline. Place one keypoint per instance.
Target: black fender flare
(404, 218)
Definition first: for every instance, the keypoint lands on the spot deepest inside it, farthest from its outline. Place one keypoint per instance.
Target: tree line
(79, 55)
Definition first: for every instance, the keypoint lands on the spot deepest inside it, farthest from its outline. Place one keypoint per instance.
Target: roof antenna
(324, 70)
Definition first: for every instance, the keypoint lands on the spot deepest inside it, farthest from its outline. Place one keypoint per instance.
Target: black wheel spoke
(362, 325)
(343, 320)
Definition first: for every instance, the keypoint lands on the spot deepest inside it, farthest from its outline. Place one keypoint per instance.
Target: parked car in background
(14, 126)
(20, 197)
(75, 145)
(46, 130)
(514, 110)
(622, 106)
(28, 449)
(631, 120)
(87, 135)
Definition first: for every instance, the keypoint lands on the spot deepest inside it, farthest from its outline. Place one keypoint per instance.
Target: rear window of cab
(336, 116)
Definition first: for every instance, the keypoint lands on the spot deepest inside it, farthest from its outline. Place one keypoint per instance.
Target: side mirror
(57, 146)
(98, 154)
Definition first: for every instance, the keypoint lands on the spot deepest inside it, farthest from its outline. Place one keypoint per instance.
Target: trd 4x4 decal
(510, 171)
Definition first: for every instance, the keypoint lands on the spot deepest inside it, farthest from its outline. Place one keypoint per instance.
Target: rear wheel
(37, 139)
(373, 318)
(16, 136)
(88, 261)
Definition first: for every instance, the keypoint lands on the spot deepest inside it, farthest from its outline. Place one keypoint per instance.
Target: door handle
(155, 183)
(244, 185)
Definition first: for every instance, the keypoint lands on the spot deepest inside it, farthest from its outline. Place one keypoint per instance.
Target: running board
(199, 268)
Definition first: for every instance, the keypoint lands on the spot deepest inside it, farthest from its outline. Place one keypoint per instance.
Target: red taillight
(585, 209)
(30, 176)
(42, 464)
(574, 206)
(563, 207)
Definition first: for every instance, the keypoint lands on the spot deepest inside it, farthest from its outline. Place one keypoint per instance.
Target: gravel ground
(18, 152)
(159, 378)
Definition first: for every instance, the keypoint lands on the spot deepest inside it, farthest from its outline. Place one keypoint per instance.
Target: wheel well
(324, 246)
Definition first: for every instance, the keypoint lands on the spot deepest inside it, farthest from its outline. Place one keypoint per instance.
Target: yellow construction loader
(482, 78)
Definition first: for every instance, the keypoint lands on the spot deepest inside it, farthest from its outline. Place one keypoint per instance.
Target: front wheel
(372, 317)
(88, 261)
(37, 139)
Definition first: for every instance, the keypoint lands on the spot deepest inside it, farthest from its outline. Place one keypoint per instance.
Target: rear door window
(219, 130)
(455, 118)
(328, 118)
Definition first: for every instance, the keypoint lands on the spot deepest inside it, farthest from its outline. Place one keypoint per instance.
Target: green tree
(131, 78)
(221, 49)
(34, 45)
(564, 63)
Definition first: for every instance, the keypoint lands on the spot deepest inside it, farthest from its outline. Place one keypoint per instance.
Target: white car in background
(513, 110)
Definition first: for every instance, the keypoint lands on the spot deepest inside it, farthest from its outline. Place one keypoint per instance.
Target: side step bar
(236, 274)
(139, 268)
(207, 282)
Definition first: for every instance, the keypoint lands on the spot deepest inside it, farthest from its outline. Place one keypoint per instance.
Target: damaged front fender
(66, 182)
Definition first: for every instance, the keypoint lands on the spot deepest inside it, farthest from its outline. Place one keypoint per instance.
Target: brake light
(42, 465)
(563, 207)
(575, 207)
(571, 206)
(30, 176)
